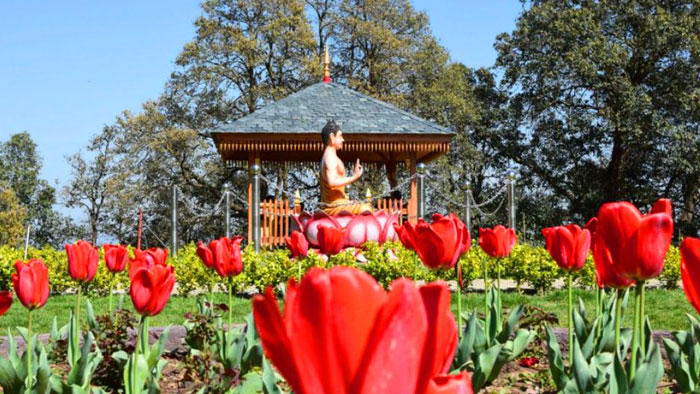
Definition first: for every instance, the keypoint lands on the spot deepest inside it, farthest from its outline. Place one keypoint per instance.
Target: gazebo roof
(289, 129)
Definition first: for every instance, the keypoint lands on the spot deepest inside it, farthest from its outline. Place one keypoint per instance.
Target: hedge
(526, 265)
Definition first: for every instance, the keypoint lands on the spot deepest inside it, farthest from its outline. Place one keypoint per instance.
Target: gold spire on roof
(326, 67)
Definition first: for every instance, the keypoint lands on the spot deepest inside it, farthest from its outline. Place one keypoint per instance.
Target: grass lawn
(665, 308)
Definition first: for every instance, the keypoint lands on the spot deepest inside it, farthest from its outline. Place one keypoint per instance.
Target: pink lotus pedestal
(367, 226)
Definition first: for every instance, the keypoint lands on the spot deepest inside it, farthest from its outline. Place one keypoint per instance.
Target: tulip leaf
(92, 323)
(511, 323)
(269, 379)
(648, 374)
(556, 365)
(679, 367)
(618, 379)
(581, 371)
(9, 380)
(483, 366)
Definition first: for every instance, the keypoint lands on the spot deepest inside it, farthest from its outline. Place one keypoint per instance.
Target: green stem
(77, 308)
(618, 318)
(459, 302)
(597, 301)
(486, 288)
(642, 319)
(230, 302)
(30, 375)
(116, 315)
(635, 332)
(111, 291)
(571, 320)
(498, 274)
(142, 345)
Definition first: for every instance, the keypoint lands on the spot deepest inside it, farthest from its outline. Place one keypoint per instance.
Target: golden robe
(335, 201)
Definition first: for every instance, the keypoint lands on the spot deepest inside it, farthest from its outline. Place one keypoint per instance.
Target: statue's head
(331, 135)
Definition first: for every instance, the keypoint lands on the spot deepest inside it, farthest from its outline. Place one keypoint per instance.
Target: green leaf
(679, 367)
(649, 373)
(581, 372)
(269, 379)
(618, 381)
(484, 365)
(511, 323)
(556, 365)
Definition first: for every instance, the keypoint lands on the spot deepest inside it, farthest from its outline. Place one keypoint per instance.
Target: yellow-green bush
(527, 264)
(672, 269)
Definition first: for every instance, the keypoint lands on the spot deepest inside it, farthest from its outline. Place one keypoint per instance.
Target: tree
(598, 92)
(20, 165)
(245, 53)
(92, 181)
(13, 217)
(375, 42)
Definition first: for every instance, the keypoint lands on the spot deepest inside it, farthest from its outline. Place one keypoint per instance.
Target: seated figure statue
(333, 178)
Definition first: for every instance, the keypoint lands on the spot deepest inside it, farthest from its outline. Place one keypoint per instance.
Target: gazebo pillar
(413, 202)
(254, 199)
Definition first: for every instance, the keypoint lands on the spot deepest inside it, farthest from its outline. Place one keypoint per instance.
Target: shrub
(271, 267)
(671, 274)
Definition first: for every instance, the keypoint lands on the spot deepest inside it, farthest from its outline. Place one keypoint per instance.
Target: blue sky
(69, 68)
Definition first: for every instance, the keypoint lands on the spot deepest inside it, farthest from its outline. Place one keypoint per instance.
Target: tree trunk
(690, 203)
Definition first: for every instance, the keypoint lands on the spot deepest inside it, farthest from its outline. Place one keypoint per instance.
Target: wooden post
(251, 161)
(413, 202)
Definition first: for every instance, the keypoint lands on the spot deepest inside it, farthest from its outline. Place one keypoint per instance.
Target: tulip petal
(400, 324)
(648, 247)
(451, 384)
(441, 341)
(690, 270)
(274, 338)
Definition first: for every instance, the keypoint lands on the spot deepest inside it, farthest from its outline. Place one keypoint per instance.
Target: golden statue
(333, 179)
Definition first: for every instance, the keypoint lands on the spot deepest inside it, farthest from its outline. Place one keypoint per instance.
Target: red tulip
(604, 268)
(5, 301)
(568, 245)
(31, 283)
(403, 236)
(147, 259)
(330, 239)
(116, 257)
(342, 333)
(151, 287)
(498, 241)
(637, 243)
(438, 244)
(82, 261)
(297, 244)
(226, 252)
(205, 255)
(451, 384)
(690, 270)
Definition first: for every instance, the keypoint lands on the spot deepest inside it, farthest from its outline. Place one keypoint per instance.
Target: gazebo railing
(276, 215)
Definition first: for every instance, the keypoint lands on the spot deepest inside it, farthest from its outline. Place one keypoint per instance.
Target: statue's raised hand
(358, 169)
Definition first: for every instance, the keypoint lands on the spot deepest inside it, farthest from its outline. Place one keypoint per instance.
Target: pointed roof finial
(326, 67)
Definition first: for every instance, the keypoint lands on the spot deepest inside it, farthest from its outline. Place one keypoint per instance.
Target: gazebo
(288, 130)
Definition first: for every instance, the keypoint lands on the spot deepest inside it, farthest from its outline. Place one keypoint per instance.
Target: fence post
(173, 223)
(227, 200)
(468, 203)
(421, 189)
(510, 191)
(138, 241)
(255, 168)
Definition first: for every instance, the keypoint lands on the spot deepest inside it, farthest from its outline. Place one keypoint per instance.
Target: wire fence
(278, 207)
